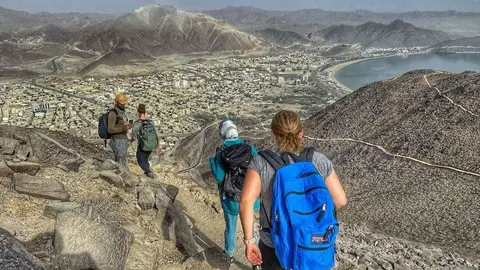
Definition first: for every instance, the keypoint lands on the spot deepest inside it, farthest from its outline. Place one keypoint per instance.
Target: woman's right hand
(254, 256)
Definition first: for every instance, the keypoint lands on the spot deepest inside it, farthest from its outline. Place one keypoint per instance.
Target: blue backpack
(304, 226)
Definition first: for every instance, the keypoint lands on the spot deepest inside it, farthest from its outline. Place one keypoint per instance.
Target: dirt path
(449, 99)
(204, 210)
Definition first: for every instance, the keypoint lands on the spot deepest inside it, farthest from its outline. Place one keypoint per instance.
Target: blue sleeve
(254, 151)
(217, 167)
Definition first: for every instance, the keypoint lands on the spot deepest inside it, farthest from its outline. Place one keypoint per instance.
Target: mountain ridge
(395, 34)
(465, 23)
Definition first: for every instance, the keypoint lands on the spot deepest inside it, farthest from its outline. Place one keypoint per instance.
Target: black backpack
(236, 159)
(103, 125)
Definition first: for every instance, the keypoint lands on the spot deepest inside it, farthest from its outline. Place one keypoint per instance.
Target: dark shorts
(270, 260)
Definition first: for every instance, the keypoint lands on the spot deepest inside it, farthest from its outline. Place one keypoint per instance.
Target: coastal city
(183, 99)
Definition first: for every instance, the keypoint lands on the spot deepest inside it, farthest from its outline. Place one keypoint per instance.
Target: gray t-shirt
(267, 173)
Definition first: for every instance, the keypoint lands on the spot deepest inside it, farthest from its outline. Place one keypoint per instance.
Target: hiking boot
(150, 175)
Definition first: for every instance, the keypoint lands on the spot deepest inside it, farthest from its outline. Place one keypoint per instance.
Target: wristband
(249, 242)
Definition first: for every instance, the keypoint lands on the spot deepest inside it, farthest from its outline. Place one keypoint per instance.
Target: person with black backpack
(300, 193)
(147, 139)
(114, 126)
(229, 166)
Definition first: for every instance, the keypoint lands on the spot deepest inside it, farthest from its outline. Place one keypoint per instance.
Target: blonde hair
(286, 126)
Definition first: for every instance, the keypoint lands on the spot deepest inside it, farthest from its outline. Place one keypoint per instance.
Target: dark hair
(286, 125)
(141, 109)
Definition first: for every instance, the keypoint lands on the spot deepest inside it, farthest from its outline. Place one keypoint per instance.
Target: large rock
(130, 180)
(40, 187)
(5, 171)
(108, 165)
(24, 167)
(23, 152)
(13, 254)
(90, 244)
(8, 145)
(51, 152)
(53, 209)
(112, 178)
(146, 198)
(175, 225)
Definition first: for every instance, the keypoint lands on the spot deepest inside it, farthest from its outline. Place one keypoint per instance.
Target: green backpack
(148, 136)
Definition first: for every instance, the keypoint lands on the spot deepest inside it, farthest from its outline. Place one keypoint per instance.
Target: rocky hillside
(312, 20)
(279, 37)
(64, 205)
(395, 34)
(430, 199)
(157, 30)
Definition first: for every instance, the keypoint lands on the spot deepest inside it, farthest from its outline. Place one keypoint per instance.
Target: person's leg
(230, 233)
(270, 260)
(142, 160)
(147, 163)
(122, 151)
(113, 145)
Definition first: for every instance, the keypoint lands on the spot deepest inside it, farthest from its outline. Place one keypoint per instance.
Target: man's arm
(114, 128)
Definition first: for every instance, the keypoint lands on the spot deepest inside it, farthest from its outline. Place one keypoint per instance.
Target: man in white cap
(229, 166)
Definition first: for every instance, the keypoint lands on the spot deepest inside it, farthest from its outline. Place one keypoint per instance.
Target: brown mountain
(280, 37)
(157, 30)
(395, 34)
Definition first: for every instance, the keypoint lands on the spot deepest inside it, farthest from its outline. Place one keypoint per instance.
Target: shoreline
(332, 71)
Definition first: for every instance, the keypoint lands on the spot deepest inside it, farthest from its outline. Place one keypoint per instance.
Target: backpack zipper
(324, 210)
(305, 192)
(309, 213)
(314, 249)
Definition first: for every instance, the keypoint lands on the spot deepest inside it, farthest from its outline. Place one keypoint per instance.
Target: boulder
(51, 152)
(24, 167)
(112, 178)
(9, 145)
(53, 209)
(172, 191)
(40, 187)
(175, 225)
(5, 171)
(129, 179)
(23, 152)
(13, 254)
(146, 198)
(108, 165)
(91, 244)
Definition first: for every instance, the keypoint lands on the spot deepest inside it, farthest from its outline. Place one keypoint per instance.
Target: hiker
(118, 126)
(300, 193)
(147, 140)
(229, 166)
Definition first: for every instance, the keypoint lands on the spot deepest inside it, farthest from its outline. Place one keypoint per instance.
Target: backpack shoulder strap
(306, 155)
(273, 159)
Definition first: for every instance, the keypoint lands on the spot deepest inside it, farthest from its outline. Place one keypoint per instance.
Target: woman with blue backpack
(300, 193)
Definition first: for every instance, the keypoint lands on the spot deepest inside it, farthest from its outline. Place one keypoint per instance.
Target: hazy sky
(120, 6)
